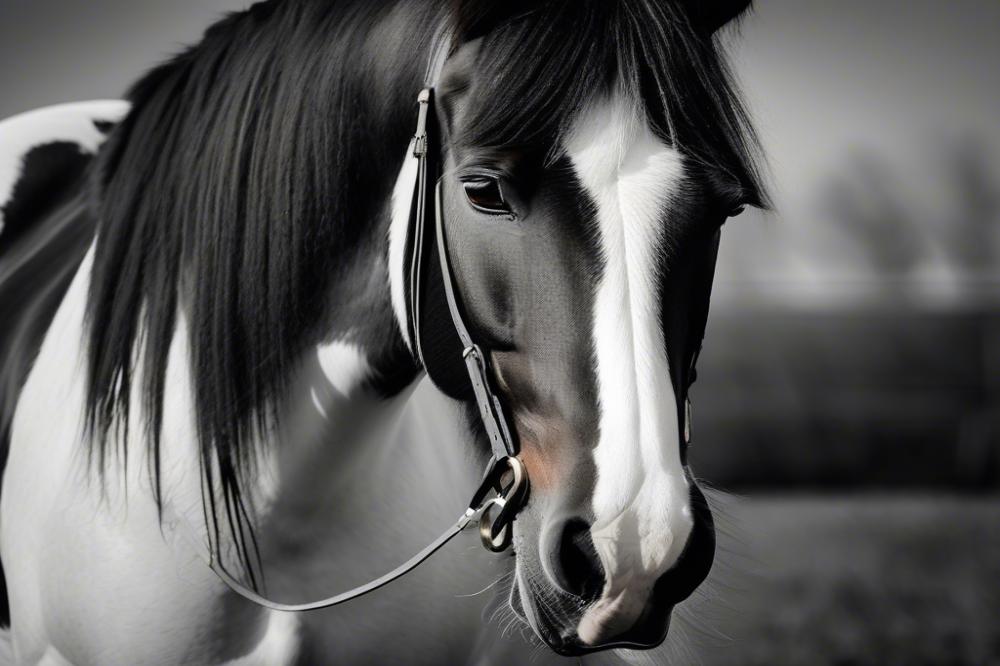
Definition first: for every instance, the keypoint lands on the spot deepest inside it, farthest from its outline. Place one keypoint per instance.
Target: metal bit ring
(496, 538)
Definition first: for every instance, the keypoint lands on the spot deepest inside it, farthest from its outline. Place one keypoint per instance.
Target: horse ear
(710, 15)
(475, 18)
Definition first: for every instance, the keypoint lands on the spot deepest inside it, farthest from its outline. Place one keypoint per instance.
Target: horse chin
(527, 612)
(650, 632)
(561, 640)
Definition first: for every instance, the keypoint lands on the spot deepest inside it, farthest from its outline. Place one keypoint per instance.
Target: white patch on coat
(314, 397)
(91, 576)
(344, 365)
(402, 193)
(441, 47)
(279, 645)
(641, 500)
(65, 122)
(399, 225)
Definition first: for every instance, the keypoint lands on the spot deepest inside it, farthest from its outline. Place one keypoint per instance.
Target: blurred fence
(869, 398)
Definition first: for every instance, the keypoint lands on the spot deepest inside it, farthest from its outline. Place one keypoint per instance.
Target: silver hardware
(420, 138)
(687, 421)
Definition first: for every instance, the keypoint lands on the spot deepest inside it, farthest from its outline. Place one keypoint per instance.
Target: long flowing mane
(248, 171)
(254, 166)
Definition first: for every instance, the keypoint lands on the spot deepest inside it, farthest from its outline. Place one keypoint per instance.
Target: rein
(504, 487)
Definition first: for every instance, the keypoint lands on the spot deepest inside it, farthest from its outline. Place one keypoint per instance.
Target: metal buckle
(420, 146)
(496, 538)
(420, 138)
(508, 478)
(490, 408)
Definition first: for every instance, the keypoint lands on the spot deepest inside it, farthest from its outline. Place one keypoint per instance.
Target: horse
(216, 354)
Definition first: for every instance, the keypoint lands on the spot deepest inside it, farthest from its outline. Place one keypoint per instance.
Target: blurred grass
(874, 398)
(855, 580)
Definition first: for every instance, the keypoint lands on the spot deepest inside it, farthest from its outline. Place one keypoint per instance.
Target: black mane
(248, 171)
(542, 66)
(256, 165)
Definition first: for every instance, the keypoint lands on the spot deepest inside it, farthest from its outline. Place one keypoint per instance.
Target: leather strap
(182, 527)
(418, 215)
(491, 409)
(477, 365)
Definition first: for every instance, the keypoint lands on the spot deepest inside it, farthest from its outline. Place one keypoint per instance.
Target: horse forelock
(533, 83)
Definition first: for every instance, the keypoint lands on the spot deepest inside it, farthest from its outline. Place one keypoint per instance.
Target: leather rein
(504, 487)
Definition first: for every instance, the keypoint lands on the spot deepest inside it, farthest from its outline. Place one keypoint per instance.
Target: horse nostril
(579, 568)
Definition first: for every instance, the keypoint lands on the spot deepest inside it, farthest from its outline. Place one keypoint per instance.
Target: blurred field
(858, 346)
(853, 580)
(883, 398)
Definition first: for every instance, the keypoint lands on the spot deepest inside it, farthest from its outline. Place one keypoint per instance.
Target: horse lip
(548, 634)
(517, 604)
(567, 644)
(571, 646)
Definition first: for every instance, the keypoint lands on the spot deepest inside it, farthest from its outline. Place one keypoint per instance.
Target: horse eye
(485, 195)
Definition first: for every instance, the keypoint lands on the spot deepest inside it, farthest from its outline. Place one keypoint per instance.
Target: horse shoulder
(75, 548)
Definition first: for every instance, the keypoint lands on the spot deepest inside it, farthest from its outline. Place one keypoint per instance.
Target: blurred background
(849, 392)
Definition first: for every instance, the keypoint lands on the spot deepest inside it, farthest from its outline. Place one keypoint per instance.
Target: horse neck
(353, 383)
(357, 478)
(349, 441)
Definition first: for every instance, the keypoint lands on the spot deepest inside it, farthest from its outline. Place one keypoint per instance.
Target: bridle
(504, 487)
(477, 368)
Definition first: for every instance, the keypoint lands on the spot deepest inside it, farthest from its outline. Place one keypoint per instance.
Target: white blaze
(641, 501)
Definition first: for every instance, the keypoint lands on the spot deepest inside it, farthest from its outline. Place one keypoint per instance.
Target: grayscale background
(850, 385)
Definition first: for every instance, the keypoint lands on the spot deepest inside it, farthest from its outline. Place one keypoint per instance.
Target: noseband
(504, 487)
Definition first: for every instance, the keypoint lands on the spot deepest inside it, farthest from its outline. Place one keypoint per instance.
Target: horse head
(590, 154)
